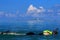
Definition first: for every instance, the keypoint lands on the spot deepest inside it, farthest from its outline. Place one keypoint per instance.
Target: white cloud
(6, 15)
(10, 15)
(33, 9)
(50, 10)
(58, 13)
(1, 13)
(58, 10)
(57, 5)
(37, 21)
(22, 15)
(41, 9)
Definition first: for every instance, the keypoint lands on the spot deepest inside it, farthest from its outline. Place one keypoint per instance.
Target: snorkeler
(48, 32)
(6, 32)
(30, 33)
(55, 32)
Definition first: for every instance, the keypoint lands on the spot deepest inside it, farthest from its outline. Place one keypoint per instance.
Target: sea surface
(23, 28)
(26, 37)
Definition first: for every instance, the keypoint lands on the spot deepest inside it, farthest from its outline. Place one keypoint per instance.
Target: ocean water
(26, 37)
(23, 28)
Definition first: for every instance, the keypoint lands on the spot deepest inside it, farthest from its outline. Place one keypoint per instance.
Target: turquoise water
(26, 37)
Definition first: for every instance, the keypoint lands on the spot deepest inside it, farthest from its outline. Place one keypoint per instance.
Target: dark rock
(55, 32)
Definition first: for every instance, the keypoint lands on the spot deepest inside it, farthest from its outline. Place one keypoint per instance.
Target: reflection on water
(26, 37)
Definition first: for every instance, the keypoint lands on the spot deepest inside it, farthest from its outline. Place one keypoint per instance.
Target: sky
(45, 13)
(11, 9)
(22, 5)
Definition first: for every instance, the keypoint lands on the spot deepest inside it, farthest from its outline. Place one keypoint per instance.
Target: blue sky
(22, 5)
(11, 6)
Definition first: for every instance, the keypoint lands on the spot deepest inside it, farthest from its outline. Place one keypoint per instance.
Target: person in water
(5, 32)
(30, 33)
(55, 32)
(48, 32)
